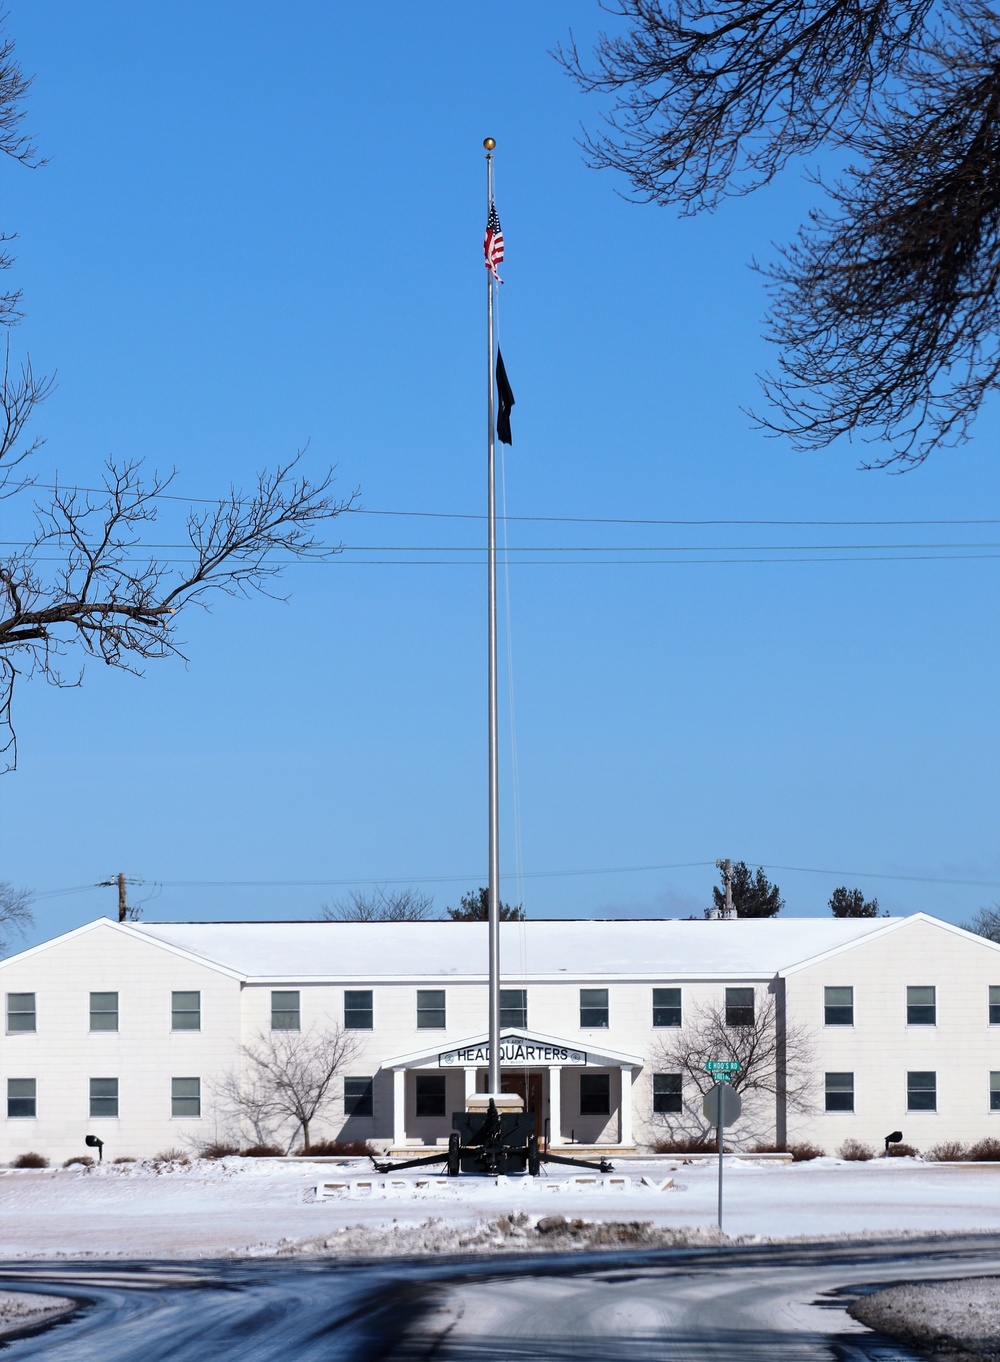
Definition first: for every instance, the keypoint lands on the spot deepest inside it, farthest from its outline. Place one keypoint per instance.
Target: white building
(126, 1031)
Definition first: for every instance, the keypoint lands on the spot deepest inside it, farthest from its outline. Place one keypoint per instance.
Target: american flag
(493, 243)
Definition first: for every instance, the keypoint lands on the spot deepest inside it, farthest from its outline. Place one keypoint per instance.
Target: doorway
(528, 1087)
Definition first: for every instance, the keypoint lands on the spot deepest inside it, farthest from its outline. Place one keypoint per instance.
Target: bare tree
(15, 911)
(886, 309)
(287, 1079)
(775, 1066)
(379, 905)
(80, 585)
(986, 923)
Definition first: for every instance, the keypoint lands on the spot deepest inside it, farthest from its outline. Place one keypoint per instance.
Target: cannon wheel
(534, 1158)
(454, 1154)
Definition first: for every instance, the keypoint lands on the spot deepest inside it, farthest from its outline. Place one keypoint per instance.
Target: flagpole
(493, 1085)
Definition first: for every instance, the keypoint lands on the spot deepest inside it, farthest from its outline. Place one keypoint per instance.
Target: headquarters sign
(513, 1050)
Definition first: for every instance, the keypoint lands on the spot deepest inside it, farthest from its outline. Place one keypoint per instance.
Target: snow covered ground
(246, 1206)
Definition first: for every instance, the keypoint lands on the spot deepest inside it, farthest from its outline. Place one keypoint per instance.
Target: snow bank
(960, 1319)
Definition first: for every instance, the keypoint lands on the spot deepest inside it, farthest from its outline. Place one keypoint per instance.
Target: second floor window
(430, 1009)
(594, 1007)
(285, 1010)
(514, 1007)
(994, 1005)
(838, 1006)
(921, 1005)
(358, 1010)
(185, 1011)
(20, 1012)
(666, 1007)
(104, 1012)
(739, 1007)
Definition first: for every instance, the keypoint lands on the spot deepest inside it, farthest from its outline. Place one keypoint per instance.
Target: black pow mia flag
(505, 400)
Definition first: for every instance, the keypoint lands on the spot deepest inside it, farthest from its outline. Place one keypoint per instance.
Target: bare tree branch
(379, 905)
(15, 911)
(287, 1078)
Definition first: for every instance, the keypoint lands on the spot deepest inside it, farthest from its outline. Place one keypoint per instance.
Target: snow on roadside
(228, 1207)
(959, 1318)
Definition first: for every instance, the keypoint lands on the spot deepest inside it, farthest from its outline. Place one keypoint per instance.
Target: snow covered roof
(578, 948)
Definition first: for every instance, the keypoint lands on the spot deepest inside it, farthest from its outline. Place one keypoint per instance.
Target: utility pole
(122, 905)
(119, 881)
(726, 867)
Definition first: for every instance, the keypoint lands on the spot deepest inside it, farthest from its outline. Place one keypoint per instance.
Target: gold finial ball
(489, 143)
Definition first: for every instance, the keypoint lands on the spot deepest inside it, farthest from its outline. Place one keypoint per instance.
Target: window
(739, 1007)
(104, 1097)
(430, 1094)
(185, 1097)
(21, 1097)
(667, 1092)
(594, 1007)
(430, 1013)
(358, 1010)
(838, 1007)
(104, 1012)
(595, 1094)
(185, 1011)
(514, 1007)
(21, 1011)
(840, 1092)
(921, 1006)
(994, 1007)
(359, 1097)
(666, 1007)
(921, 1091)
(995, 1092)
(285, 1013)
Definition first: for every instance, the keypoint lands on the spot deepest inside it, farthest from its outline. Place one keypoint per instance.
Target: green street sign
(722, 1066)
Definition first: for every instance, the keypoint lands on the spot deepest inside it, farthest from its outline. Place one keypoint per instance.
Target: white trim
(126, 929)
(420, 1057)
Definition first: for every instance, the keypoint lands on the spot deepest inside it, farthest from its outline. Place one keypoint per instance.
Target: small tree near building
(15, 911)
(475, 907)
(986, 923)
(379, 905)
(753, 893)
(776, 1064)
(846, 902)
(287, 1081)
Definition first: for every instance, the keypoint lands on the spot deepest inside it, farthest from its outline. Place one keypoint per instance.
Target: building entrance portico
(579, 1096)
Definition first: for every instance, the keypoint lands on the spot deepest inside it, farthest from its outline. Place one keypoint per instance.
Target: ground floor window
(595, 1094)
(358, 1097)
(430, 1094)
(840, 1092)
(104, 1097)
(21, 1097)
(185, 1097)
(921, 1090)
(667, 1093)
(995, 1091)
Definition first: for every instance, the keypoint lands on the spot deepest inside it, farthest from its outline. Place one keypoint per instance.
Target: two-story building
(136, 1032)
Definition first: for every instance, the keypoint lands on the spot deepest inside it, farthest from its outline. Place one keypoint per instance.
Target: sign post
(722, 1106)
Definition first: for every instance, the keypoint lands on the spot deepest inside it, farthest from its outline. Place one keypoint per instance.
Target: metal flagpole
(494, 874)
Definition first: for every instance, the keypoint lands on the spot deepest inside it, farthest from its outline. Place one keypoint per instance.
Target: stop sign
(722, 1105)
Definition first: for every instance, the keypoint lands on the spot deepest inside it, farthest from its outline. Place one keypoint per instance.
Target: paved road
(731, 1305)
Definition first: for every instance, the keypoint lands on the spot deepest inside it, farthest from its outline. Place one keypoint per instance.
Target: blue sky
(262, 228)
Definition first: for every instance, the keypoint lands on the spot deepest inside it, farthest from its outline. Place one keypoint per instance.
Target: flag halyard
(493, 242)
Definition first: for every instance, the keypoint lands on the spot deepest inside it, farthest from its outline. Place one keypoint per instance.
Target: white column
(625, 1107)
(470, 1082)
(555, 1106)
(398, 1107)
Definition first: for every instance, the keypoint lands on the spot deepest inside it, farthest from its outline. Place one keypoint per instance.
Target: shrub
(217, 1150)
(125, 1158)
(84, 1160)
(30, 1160)
(853, 1151)
(903, 1151)
(985, 1151)
(171, 1156)
(769, 1148)
(352, 1149)
(686, 1146)
(262, 1151)
(951, 1151)
(802, 1153)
